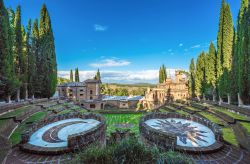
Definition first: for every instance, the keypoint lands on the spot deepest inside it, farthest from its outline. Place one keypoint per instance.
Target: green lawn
(234, 115)
(246, 125)
(113, 119)
(228, 135)
(16, 112)
(212, 118)
(15, 138)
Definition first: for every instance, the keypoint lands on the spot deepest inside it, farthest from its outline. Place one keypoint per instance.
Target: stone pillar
(228, 99)
(220, 100)
(26, 91)
(240, 102)
(33, 97)
(9, 99)
(18, 95)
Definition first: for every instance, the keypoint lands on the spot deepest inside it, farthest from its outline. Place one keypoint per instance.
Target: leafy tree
(71, 76)
(192, 79)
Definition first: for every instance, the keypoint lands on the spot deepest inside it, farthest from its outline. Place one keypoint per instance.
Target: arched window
(91, 92)
(91, 98)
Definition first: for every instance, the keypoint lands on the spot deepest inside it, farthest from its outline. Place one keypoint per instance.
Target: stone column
(228, 99)
(18, 95)
(220, 100)
(9, 99)
(240, 102)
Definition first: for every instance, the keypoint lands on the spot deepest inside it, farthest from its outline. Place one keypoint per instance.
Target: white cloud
(110, 63)
(169, 50)
(125, 77)
(98, 27)
(196, 46)
(181, 44)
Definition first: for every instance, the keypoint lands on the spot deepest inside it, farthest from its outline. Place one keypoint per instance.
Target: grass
(16, 112)
(246, 125)
(212, 118)
(113, 119)
(234, 115)
(15, 138)
(228, 135)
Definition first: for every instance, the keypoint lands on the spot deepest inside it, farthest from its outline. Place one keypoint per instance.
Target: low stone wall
(166, 140)
(12, 106)
(7, 127)
(75, 142)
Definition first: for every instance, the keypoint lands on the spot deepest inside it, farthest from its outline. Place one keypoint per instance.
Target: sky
(128, 40)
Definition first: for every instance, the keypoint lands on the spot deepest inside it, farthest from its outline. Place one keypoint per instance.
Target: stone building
(88, 95)
(171, 89)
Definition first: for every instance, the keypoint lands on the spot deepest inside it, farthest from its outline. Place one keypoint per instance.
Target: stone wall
(167, 141)
(75, 142)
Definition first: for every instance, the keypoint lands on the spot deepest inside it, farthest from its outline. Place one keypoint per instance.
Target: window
(70, 95)
(92, 105)
(91, 92)
(91, 98)
(81, 90)
(63, 90)
(70, 90)
(81, 94)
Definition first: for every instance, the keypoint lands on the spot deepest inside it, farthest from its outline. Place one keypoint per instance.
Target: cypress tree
(77, 79)
(211, 70)
(48, 55)
(71, 76)
(37, 83)
(8, 81)
(200, 75)
(192, 79)
(242, 51)
(224, 46)
(98, 75)
(24, 69)
(162, 74)
(31, 55)
(18, 50)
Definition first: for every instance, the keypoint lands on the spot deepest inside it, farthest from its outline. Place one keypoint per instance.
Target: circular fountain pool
(180, 132)
(64, 133)
(189, 133)
(56, 134)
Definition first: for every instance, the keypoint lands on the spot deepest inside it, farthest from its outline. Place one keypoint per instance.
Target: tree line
(223, 72)
(28, 66)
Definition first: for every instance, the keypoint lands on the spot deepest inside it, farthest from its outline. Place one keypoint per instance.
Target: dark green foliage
(200, 75)
(192, 79)
(77, 78)
(225, 48)
(71, 76)
(48, 69)
(8, 81)
(243, 51)
(31, 60)
(162, 74)
(98, 75)
(128, 151)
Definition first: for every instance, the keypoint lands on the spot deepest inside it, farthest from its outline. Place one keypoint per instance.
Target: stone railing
(75, 142)
(167, 140)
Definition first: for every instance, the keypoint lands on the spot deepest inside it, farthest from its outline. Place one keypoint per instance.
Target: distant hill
(61, 80)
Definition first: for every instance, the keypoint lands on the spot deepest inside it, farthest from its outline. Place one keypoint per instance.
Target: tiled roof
(73, 84)
(92, 81)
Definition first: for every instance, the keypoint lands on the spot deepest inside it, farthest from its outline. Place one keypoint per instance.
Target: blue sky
(124, 37)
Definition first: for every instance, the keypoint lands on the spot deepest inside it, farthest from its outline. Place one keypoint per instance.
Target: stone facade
(176, 89)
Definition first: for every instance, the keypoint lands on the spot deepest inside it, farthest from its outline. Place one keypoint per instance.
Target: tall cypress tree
(77, 79)
(224, 46)
(200, 75)
(71, 76)
(98, 75)
(242, 51)
(8, 81)
(48, 55)
(192, 79)
(211, 70)
(18, 49)
(162, 74)
(30, 40)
